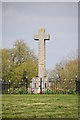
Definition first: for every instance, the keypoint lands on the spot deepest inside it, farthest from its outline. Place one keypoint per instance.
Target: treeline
(19, 62)
(66, 69)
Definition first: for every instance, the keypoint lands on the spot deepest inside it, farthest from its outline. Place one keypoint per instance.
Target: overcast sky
(60, 20)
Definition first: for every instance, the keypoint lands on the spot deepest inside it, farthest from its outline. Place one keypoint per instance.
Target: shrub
(11, 90)
(20, 91)
(71, 91)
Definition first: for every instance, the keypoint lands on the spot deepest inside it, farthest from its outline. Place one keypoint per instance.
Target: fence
(57, 87)
(54, 87)
(13, 88)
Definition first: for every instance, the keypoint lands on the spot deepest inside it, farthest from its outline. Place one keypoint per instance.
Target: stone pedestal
(35, 85)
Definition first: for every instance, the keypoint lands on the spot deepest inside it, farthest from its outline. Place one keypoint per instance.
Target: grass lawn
(40, 106)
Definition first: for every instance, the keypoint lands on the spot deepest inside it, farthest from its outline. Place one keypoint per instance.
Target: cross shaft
(41, 36)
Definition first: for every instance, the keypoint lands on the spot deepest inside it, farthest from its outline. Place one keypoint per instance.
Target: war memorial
(40, 84)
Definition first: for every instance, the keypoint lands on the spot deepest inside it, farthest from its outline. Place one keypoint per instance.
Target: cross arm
(47, 37)
(36, 37)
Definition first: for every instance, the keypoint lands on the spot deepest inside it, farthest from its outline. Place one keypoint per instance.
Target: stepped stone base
(38, 86)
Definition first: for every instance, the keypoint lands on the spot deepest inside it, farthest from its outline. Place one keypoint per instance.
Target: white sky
(60, 20)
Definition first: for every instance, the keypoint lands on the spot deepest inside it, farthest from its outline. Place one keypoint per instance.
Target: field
(40, 106)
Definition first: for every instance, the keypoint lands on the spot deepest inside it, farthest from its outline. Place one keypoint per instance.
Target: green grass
(40, 106)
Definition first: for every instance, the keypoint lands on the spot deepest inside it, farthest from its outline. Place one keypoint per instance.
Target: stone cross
(41, 36)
